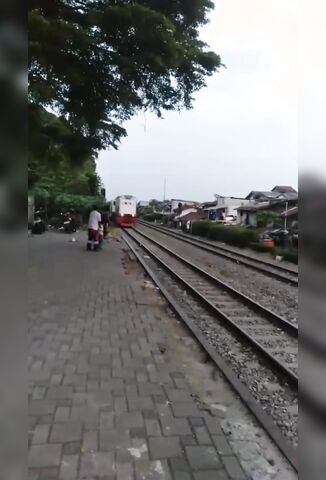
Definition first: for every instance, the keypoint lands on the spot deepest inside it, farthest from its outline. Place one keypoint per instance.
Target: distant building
(174, 204)
(247, 215)
(224, 206)
(143, 203)
(277, 193)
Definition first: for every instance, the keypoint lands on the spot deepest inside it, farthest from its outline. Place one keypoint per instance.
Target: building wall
(175, 203)
(229, 204)
(242, 216)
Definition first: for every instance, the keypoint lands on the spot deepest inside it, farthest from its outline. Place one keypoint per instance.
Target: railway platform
(118, 388)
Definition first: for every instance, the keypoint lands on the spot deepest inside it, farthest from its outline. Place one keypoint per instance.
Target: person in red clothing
(105, 222)
(93, 229)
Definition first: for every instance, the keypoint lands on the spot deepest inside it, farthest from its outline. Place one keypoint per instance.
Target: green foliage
(151, 217)
(80, 203)
(201, 228)
(97, 62)
(290, 255)
(237, 236)
(266, 218)
(143, 211)
(232, 235)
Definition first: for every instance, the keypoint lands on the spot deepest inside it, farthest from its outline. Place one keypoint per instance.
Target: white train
(124, 210)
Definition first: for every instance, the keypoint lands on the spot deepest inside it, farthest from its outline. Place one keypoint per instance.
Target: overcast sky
(241, 134)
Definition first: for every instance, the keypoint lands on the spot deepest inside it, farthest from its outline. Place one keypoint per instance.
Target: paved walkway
(105, 401)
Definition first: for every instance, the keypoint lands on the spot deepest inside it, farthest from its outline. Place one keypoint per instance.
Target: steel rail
(241, 389)
(257, 307)
(237, 257)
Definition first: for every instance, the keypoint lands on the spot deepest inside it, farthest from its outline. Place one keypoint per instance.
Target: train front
(126, 211)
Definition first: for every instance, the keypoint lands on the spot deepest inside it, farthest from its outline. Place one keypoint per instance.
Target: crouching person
(93, 229)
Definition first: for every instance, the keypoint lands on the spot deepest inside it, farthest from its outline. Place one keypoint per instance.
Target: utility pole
(164, 189)
(285, 215)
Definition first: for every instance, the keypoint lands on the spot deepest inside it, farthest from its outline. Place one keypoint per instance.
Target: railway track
(254, 347)
(280, 272)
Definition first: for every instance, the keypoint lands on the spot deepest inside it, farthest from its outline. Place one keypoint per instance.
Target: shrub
(201, 228)
(258, 247)
(265, 218)
(290, 256)
(232, 235)
(151, 217)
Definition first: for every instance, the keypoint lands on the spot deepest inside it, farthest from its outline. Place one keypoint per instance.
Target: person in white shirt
(93, 229)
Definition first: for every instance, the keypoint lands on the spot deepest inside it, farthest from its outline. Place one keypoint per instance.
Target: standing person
(93, 229)
(105, 223)
(100, 235)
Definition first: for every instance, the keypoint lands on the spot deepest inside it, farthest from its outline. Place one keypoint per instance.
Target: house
(247, 214)
(174, 204)
(189, 214)
(224, 206)
(278, 192)
(143, 204)
(284, 189)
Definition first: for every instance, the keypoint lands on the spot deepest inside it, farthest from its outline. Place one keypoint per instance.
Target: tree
(95, 63)
(266, 218)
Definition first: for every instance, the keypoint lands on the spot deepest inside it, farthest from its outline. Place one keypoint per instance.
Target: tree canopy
(95, 63)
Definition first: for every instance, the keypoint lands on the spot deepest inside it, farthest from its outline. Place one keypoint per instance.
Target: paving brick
(120, 405)
(33, 474)
(187, 440)
(138, 450)
(66, 432)
(222, 445)
(41, 456)
(211, 475)
(175, 426)
(125, 471)
(69, 466)
(41, 407)
(196, 421)
(72, 448)
(38, 393)
(214, 426)
(98, 464)
(51, 473)
(150, 389)
(96, 363)
(59, 391)
(46, 420)
(179, 464)
(152, 470)
(153, 428)
(106, 420)
(139, 403)
(166, 447)
(62, 414)
(233, 468)
(202, 436)
(130, 420)
(74, 379)
(201, 458)
(114, 439)
(41, 434)
(176, 395)
(138, 432)
(90, 441)
(185, 409)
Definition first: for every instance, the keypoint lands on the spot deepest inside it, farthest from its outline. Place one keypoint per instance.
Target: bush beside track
(151, 217)
(232, 235)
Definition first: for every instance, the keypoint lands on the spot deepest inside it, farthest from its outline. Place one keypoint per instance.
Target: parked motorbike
(38, 225)
(68, 223)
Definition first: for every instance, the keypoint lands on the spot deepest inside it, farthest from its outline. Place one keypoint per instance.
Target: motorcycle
(38, 225)
(68, 223)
